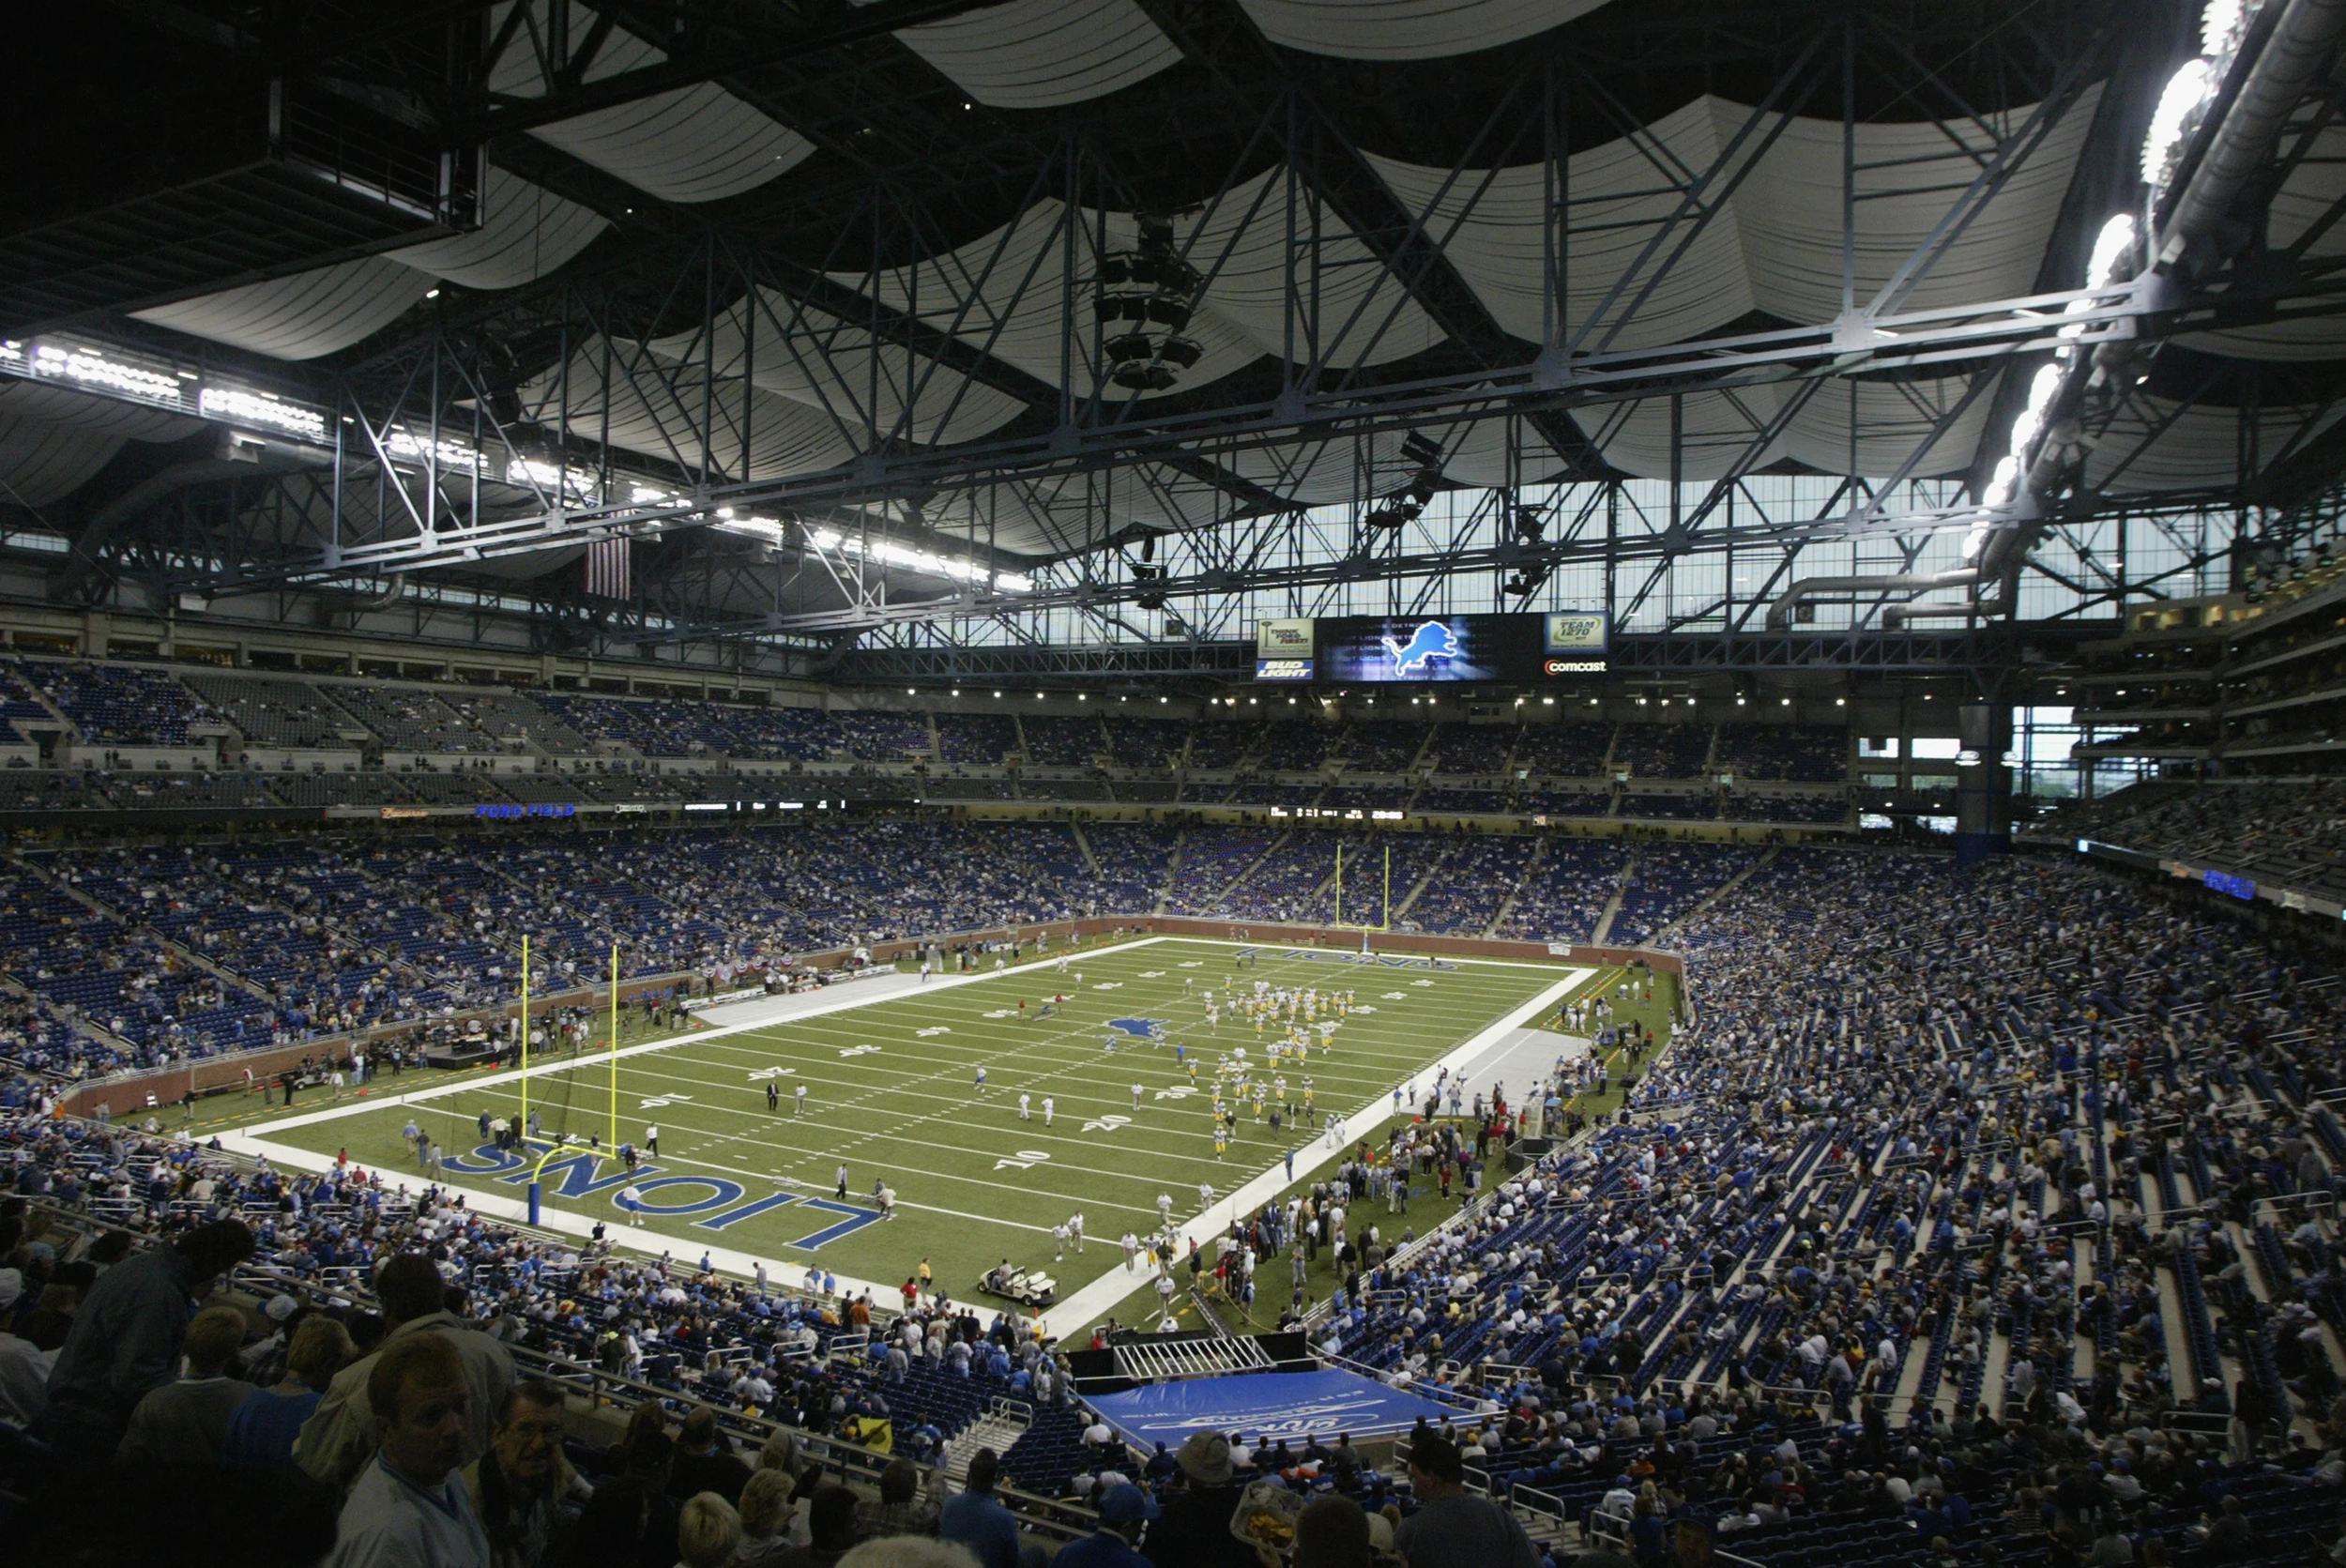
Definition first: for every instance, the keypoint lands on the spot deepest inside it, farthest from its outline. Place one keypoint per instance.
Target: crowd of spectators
(1980, 1215)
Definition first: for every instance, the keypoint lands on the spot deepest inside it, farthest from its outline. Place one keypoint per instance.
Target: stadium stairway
(131, 917)
(1612, 904)
(1514, 895)
(1222, 895)
(1091, 862)
(1000, 1429)
(1714, 895)
(1172, 871)
(1418, 887)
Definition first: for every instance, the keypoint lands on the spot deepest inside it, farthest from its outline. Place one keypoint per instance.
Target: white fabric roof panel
(62, 405)
(847, 384)
(1407, 29)
(1238, 249)
(1492, 233)
(1775, 246)
(1890, 421)
(302, 316)
(2311, 189)
(2200, 447)
(526, 231)
(41, 463)
(1042, 54)
(54, 440)
(785, 437)
(697, 144)
(1909, 175)
(1016, 314)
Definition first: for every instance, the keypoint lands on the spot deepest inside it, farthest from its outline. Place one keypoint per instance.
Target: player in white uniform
(1025, 1100)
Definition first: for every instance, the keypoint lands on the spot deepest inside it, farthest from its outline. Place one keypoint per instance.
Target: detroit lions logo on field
(1432, 640)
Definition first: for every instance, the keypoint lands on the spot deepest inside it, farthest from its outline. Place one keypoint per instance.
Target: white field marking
(455, 1180)
(646, 1241)
(860, 993)
(1086, 1304)
(251, 1140)
(1274, 949)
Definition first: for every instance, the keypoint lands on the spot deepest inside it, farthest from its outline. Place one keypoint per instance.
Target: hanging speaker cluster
(1145, 297)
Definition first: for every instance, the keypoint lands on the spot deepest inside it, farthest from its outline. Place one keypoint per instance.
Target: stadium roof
(462, 285)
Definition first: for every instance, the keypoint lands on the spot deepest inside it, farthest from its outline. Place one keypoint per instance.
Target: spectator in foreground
(186, 1423)
(977, 1519)
(709, 1532)
(1125, 1512)
(908, 1551)
(1451, 1528)
(705, 1462)
(517, 1487)
(126, 1340)
(901, 1509)
(1331, 1533)
(263, 1429)
(1196, 1530)
(408, 1508)
(335, 1442)
(769, 1520)
(830, 1520)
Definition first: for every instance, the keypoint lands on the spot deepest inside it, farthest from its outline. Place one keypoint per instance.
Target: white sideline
(1085, 1306)
(1092, 1300)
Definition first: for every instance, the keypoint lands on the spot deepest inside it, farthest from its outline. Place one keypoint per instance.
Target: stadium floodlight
(239, 407)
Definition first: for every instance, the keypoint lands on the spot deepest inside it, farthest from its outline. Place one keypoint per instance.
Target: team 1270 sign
(1577, 642)
(1283, 648)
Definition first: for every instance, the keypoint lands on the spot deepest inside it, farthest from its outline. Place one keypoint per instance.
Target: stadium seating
(2046, 1164)
(274, 711)
(1383, 745)
(1057, 741)
(411, 719)
(1950, 1171)
(1797, 753)
(1662, 750)
(1139, 742)
(1571, 749)
(120, 704)
(983, 738)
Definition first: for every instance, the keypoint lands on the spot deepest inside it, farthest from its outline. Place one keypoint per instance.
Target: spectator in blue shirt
(1124, 1514)
(977, 1519)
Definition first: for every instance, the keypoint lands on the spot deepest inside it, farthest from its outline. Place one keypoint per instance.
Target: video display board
(1371, 649)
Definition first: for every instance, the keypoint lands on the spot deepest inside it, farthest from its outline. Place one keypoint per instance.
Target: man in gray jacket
(127, 1338)
(337, 1440)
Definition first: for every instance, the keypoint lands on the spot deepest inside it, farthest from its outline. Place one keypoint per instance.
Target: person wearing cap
(1196, 1530)
(1125, 1513)
(1451, 1528)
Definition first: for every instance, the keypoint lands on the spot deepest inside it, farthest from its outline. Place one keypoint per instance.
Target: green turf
(892, 1094)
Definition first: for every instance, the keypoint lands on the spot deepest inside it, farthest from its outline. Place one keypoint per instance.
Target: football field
(889, 1070)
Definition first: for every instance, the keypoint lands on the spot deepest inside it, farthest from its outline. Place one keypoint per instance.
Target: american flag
(607, 569)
